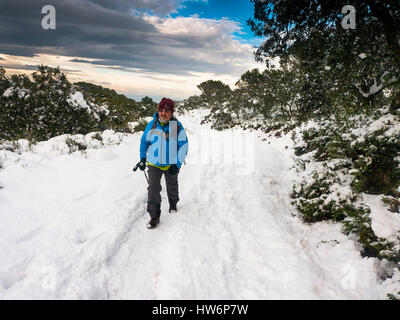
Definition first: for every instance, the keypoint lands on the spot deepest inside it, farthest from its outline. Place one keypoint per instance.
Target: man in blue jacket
(164, 147)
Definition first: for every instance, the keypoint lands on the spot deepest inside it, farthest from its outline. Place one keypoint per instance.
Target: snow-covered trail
(74, 227)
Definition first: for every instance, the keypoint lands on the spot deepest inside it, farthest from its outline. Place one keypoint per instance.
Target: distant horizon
(136, 97)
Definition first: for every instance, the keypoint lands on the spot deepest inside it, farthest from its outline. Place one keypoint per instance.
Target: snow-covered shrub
(338, 162)
(220, 119)
(392, 296)
(264, 101)
(392, 202)
(191, 103)
(358, 222)
(74, 145)
(140, 126)
(46, 105)
(376, 158)
(118, 110)
(41, 108)
(97, 136)
(323, 197)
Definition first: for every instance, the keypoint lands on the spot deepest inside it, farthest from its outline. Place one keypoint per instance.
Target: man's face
(165, 114)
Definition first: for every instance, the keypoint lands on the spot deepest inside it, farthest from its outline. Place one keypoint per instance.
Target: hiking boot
(172, 208)
(153, 223)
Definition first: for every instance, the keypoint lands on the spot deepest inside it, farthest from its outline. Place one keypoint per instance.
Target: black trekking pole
(144, 171)
(147, 178)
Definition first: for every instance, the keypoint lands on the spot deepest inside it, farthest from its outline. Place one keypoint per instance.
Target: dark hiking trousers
(154, 190)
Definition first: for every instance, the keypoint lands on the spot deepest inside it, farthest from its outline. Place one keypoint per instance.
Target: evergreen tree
(47, 104)
(348, 68)
(217, 95)
(147, 107)
(4, 83)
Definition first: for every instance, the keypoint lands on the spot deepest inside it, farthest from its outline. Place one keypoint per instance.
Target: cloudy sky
(137, 47)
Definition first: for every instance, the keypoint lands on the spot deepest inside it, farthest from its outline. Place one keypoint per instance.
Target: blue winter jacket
(164, 145)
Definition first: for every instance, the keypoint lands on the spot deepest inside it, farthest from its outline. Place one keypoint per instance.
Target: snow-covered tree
(342, 68)
(47, 104)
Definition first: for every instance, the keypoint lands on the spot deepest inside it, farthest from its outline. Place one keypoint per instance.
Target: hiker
(163, 146)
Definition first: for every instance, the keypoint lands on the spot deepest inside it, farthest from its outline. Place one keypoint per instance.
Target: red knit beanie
(166, 103)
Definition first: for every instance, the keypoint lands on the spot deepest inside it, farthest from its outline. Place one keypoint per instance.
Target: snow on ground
(386, 224)
(73, 226)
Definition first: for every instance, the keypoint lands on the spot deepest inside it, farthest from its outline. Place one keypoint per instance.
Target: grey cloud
(31, 67)
(106, 31)
(72, 71)
(80, 60)
(20, 67)
(157, 6)
(103, 82)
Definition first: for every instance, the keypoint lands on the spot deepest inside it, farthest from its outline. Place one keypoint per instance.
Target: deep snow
(73, 226)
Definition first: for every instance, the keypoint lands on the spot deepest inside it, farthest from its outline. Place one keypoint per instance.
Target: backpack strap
(166, 133)
(155, 124)
(153, 128)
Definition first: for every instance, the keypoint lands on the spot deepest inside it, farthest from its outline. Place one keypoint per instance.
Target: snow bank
(22, 151)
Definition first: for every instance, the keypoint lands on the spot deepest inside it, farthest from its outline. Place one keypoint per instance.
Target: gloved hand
(141, 164)
(173, 170)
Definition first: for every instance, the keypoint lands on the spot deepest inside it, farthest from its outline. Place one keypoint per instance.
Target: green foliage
(120, 110)
(359, 223)
(289, 24)
(192, 103)
(393, 297)
(392, 202)
(214, 92)
(313, 199)
(377, 164)
(341, 70)
(98, 136)
(47, 104)
(141, 126)
(4, 83)
(374, 156)
(355, 159)
(39, 109)
(147, 107)
(74, 145)
(265, 101)
(217, 95)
